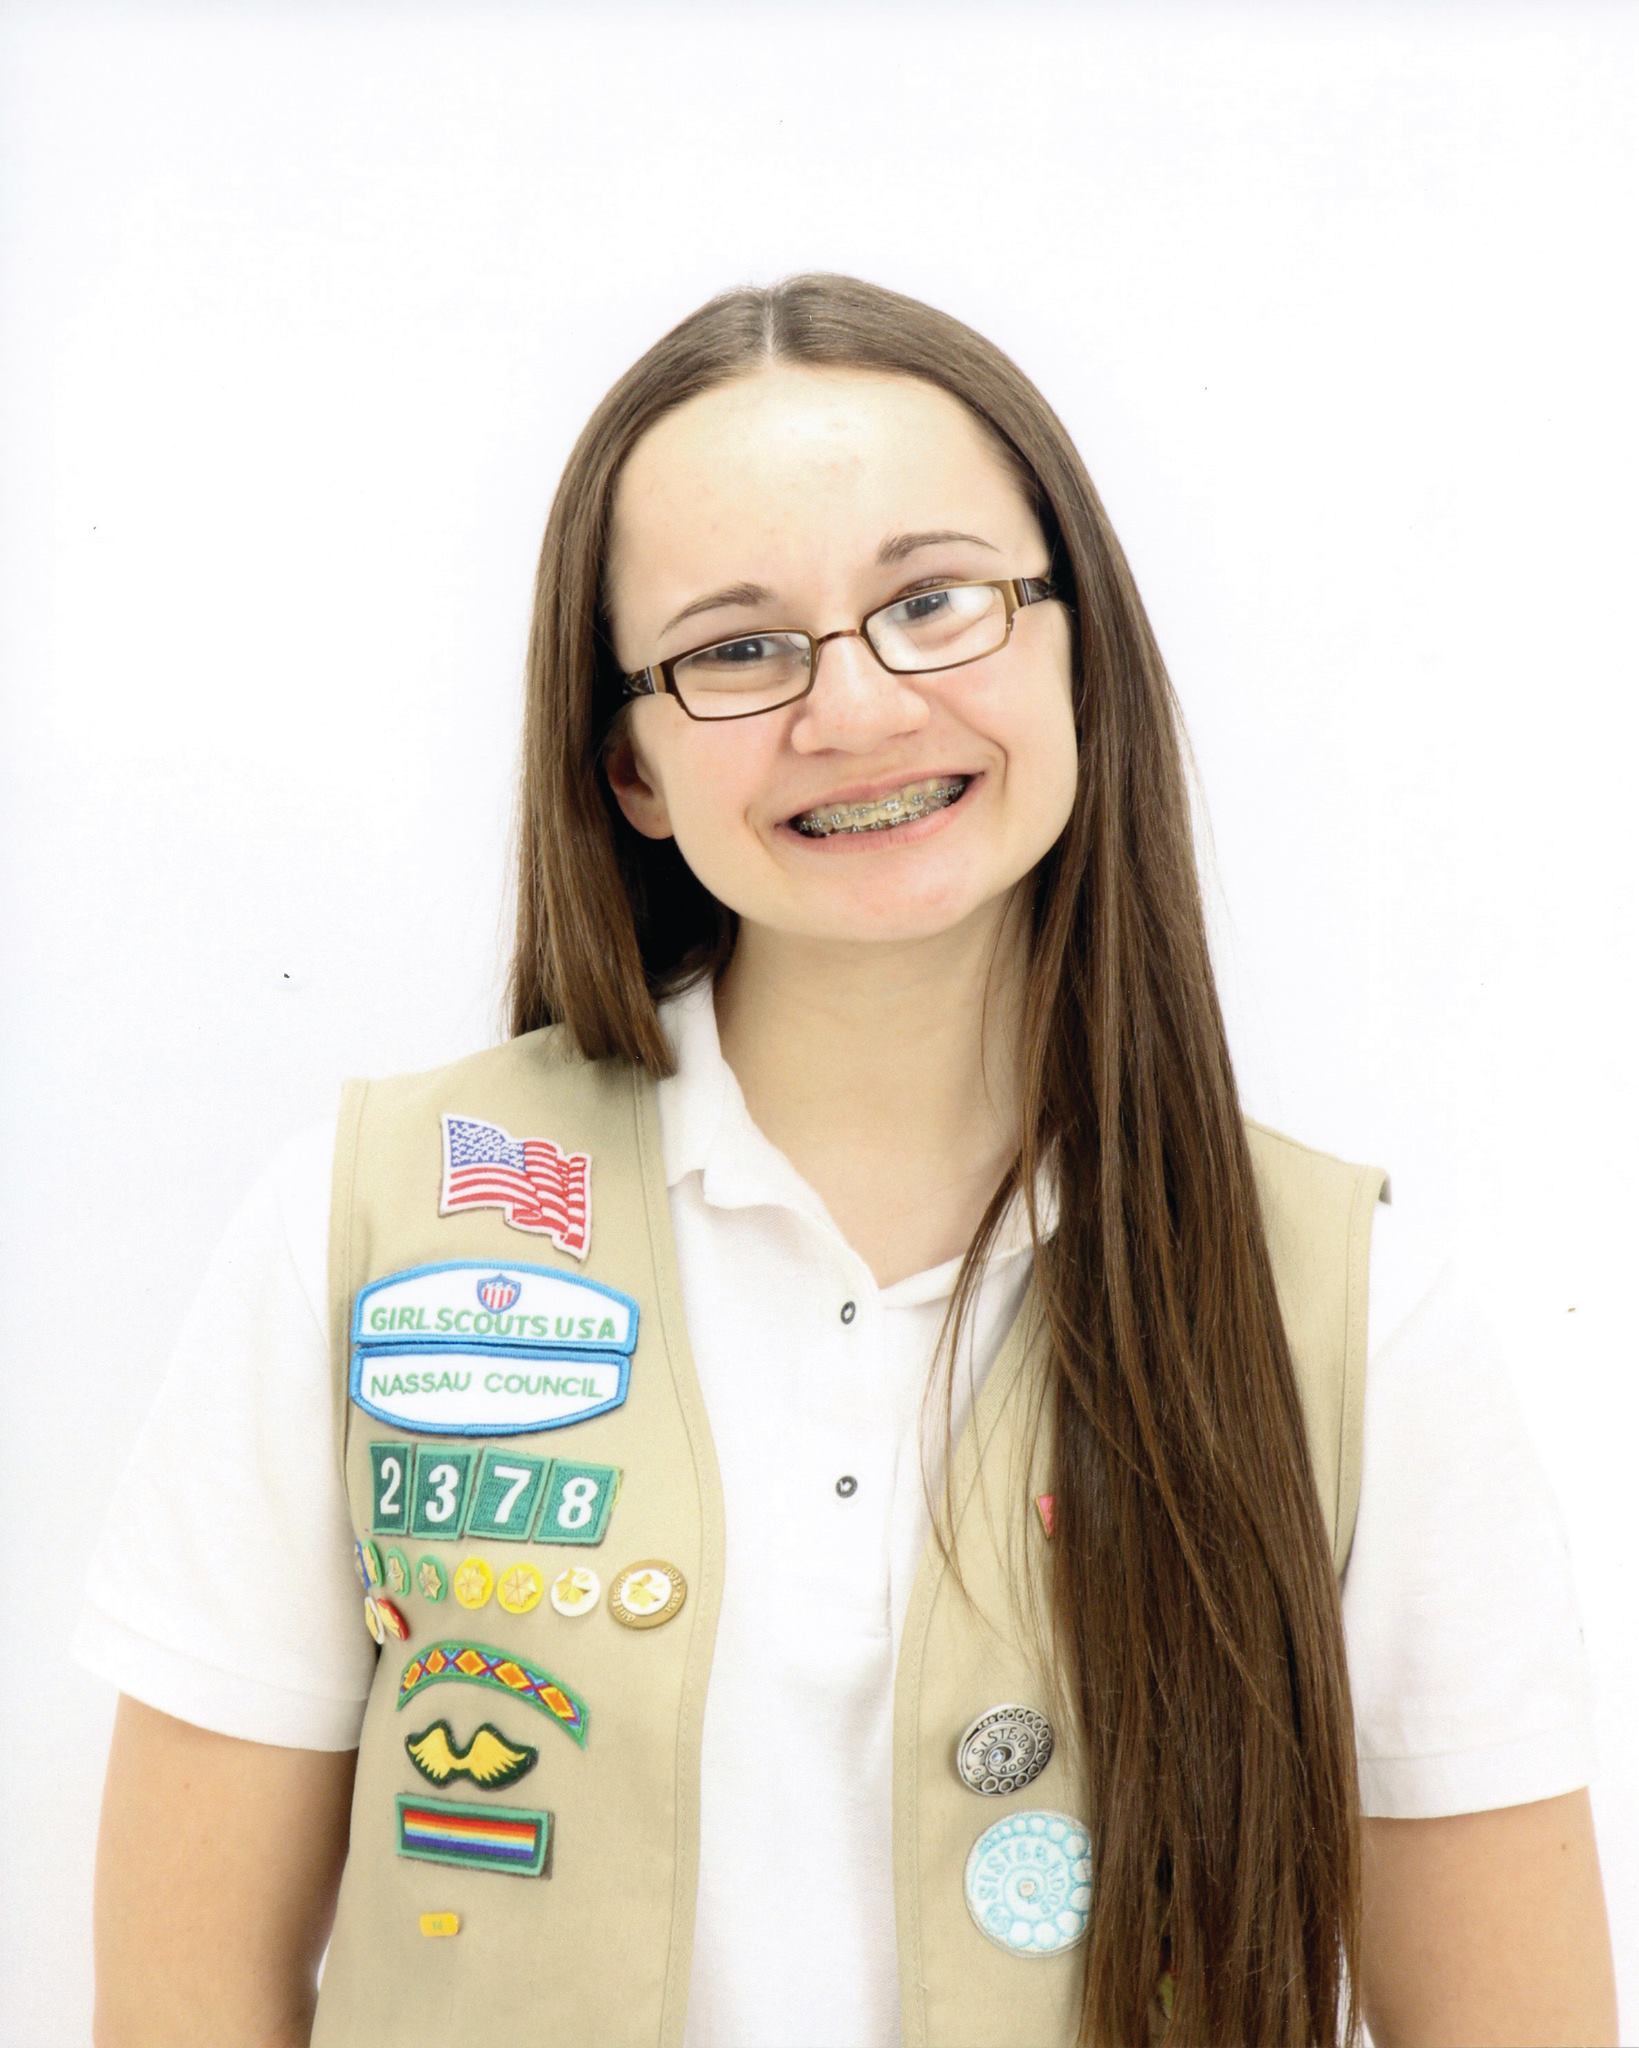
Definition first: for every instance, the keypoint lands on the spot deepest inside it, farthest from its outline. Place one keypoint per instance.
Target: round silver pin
(1004, 1749)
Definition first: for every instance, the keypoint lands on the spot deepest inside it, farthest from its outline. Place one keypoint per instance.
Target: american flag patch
(536, 1186)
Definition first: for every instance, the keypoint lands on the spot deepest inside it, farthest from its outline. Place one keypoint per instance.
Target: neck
(869, 1058)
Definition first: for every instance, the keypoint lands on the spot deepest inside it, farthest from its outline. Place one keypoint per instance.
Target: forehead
(793, 473)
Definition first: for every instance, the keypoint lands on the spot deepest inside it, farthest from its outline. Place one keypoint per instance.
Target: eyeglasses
(945, 626)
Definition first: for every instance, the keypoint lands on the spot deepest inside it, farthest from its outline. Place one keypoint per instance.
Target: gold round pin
(473, 1582)
(646, 1593)
(520, 1588)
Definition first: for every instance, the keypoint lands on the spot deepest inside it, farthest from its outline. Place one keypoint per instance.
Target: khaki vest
(594, 1947)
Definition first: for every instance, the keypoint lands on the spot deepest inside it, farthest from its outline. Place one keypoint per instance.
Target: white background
(300, 312)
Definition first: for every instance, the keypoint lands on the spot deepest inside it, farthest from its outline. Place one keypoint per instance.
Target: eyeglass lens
(929, 629)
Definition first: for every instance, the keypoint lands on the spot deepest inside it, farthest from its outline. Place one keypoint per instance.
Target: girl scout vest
(539, 1524)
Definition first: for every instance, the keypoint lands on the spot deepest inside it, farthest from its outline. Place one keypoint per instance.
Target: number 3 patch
(440, 1490)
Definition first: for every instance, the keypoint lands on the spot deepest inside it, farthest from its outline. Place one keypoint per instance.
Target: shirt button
(847, 1484)
(847, 1311)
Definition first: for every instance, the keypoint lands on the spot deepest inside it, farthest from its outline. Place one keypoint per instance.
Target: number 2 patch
(390, 1488)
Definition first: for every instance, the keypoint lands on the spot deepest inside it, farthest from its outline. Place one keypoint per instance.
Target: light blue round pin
(1029, 1882)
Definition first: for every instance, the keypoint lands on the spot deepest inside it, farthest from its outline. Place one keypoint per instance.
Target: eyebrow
(894, 549)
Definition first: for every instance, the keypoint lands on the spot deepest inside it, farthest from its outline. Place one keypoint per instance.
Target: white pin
(1028, 1882)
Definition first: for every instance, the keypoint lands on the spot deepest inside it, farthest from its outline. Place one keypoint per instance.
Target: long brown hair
(1194, 1602)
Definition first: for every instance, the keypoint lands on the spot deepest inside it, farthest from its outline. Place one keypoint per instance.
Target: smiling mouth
(904, 807)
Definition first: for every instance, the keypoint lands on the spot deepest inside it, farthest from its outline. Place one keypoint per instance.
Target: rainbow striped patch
(510, 1838)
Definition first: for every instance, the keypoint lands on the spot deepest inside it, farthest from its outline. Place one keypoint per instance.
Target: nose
(855, 700)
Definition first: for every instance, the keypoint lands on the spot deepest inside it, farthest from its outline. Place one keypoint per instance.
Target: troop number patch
(473, 1349)
(449, 1490)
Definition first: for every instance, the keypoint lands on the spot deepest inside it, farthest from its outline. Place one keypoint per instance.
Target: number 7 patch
(506, 1496)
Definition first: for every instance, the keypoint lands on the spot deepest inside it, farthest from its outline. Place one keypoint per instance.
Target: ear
(637, 796)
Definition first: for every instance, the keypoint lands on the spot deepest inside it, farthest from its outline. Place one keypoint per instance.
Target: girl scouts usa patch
(471, 1349)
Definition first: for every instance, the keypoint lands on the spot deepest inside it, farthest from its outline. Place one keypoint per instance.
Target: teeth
(904, 805)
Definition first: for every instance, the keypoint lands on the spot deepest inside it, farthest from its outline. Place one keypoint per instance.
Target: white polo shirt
(222, 1589)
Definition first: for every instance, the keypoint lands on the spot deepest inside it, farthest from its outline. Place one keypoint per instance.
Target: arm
(218, 1864)
(1487, 1930)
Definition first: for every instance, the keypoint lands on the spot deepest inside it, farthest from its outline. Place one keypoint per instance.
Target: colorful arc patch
(508, 1838)
(482, 1664)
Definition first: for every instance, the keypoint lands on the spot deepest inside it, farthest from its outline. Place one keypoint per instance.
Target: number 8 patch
(578, 1500)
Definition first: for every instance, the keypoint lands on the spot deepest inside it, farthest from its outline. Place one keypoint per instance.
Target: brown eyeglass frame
(656, 679)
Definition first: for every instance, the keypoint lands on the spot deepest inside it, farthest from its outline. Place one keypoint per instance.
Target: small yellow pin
(473, 1582)
(441, 1923)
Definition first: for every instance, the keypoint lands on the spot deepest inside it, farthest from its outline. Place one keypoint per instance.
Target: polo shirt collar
(706, 1128)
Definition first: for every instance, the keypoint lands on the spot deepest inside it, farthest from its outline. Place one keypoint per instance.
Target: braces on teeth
(896, 810)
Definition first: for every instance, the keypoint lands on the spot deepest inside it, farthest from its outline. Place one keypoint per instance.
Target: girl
(722, 1685)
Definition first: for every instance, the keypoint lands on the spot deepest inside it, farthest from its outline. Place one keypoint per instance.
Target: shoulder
(549, 1047)
(529, 1104)
(513, 1075)
(1275, 1152)
(1304, 1189)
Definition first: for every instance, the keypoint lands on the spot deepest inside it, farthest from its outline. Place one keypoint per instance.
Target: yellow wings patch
(489, 1759)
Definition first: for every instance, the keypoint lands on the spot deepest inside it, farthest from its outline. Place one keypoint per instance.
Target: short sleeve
(1467, 1663)
(221, 1587)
